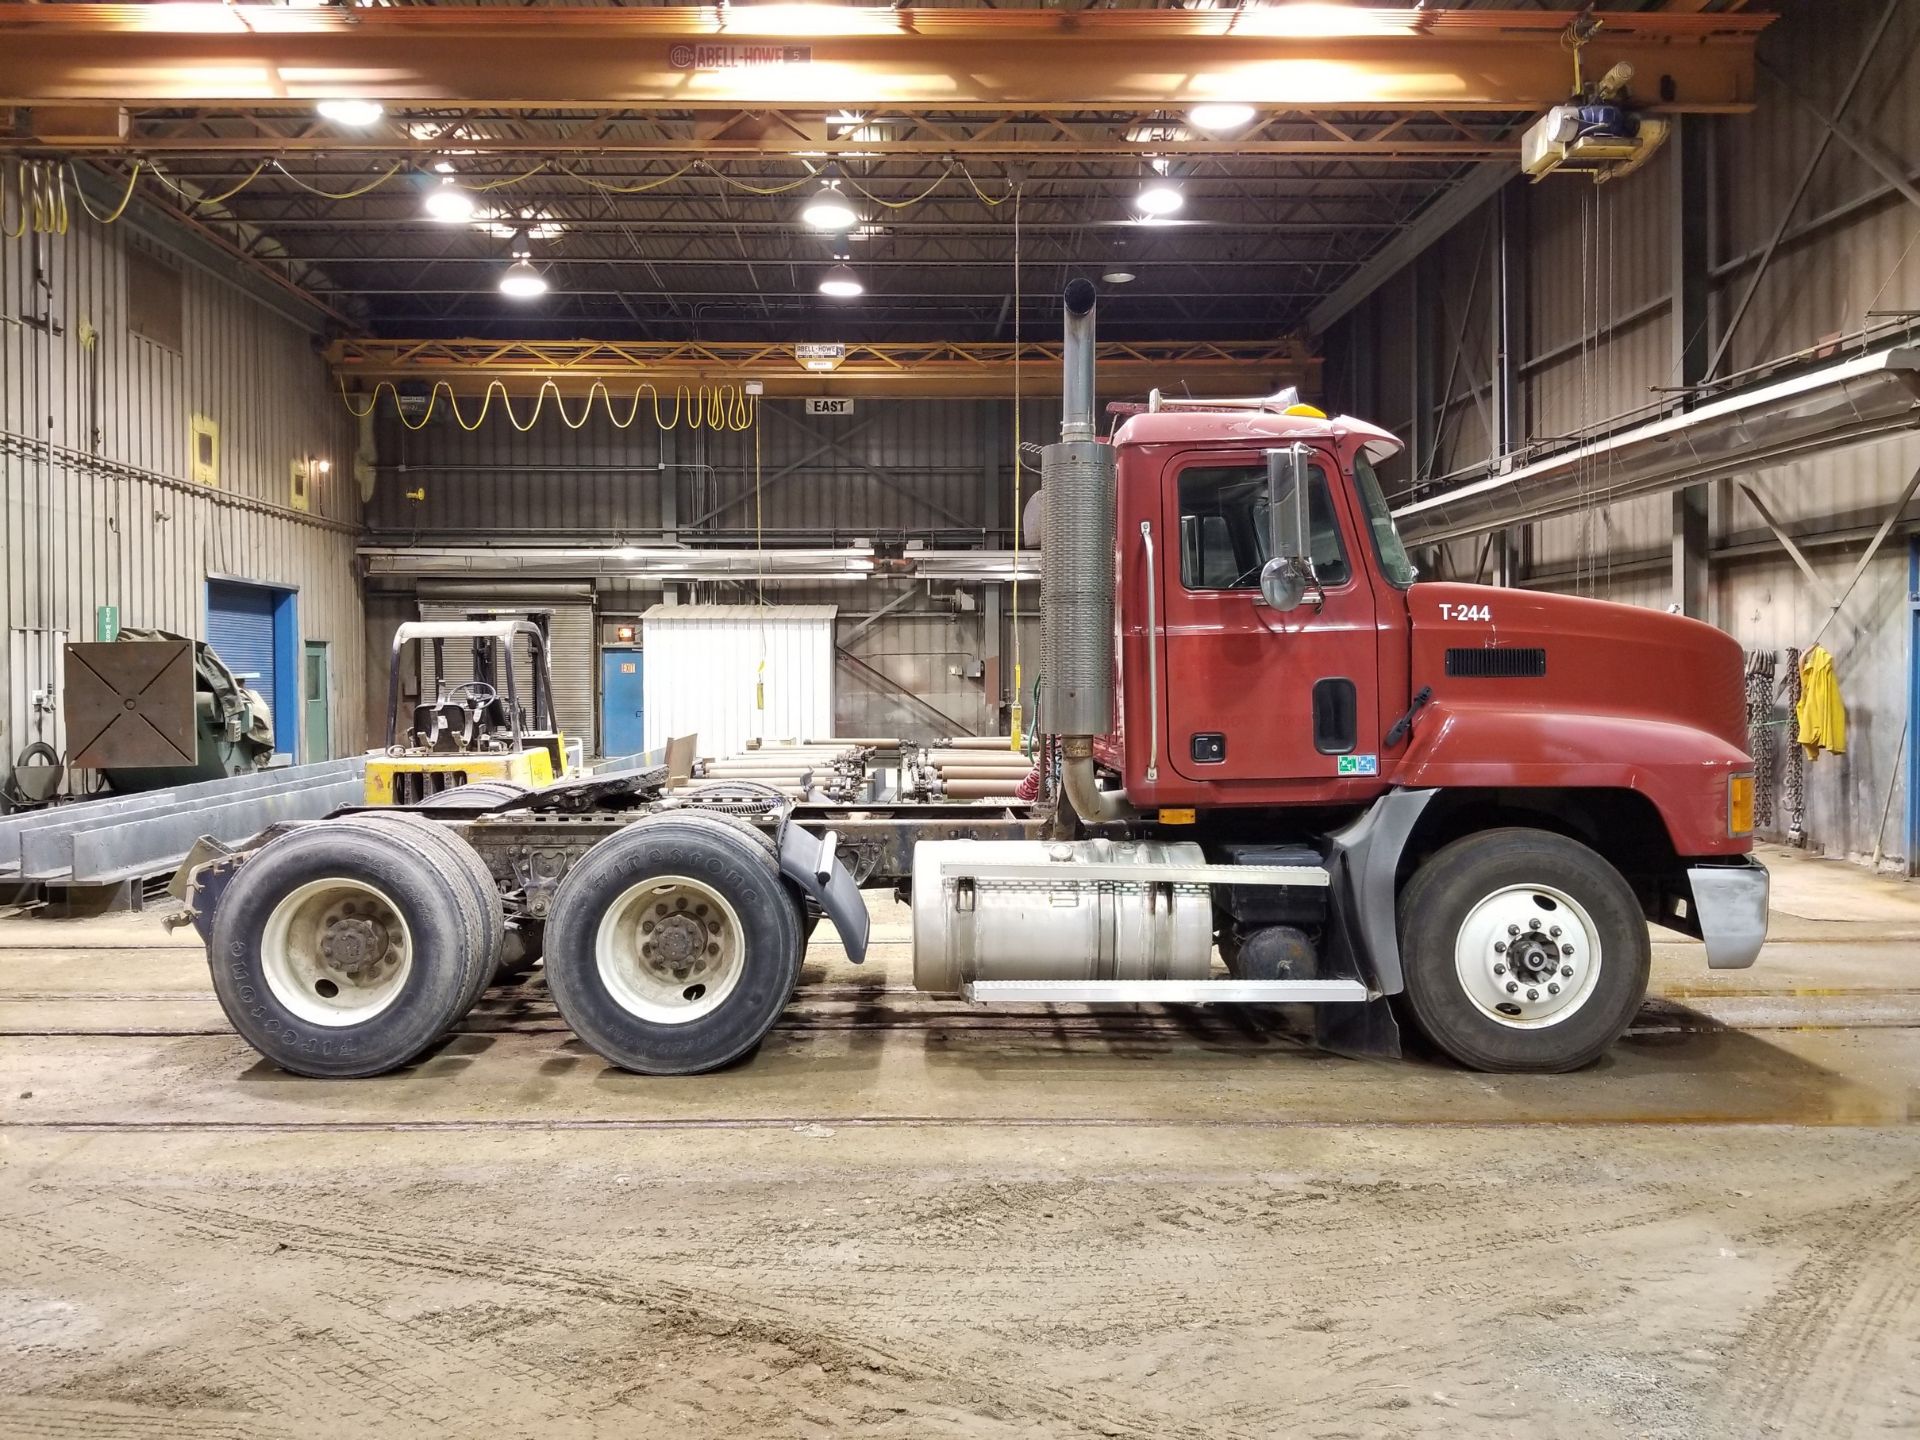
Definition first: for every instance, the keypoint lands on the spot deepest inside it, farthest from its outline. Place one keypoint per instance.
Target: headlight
(1740, 805)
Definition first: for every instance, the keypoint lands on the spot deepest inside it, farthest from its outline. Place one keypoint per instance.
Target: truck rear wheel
(343, 950)
(486, 916)
(672, 947)
(1523, 951)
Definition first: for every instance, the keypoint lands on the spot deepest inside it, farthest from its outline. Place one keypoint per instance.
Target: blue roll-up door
(240, 629)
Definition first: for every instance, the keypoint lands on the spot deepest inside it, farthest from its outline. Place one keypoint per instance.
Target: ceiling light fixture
(520, 280)
(1117, 277)
(1221, 115)
(841, 283)
(357, 114)
(828, 209)
(1158, 197)
(448, 202)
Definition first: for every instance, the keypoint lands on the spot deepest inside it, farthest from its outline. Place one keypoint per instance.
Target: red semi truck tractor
(1285, 770)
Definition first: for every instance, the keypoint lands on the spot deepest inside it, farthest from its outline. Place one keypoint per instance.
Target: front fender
(1681, 769)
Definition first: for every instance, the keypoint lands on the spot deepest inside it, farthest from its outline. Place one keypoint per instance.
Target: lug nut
(1567, 971)
(1566, 949)
(1534, 924)
(1554, 931)
(1499, 969)
(1499, 947)
(1511, 987)
(1533, 994)
(1553, 989)
(1513, 929)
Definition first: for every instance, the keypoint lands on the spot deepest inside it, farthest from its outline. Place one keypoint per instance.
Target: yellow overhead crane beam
(1302, 56)
(926, 371)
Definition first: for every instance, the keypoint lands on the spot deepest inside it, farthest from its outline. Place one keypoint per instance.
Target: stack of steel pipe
(975, 742)
(988, 771)
(834, 770)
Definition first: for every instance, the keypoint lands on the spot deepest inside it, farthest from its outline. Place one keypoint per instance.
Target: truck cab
(1239, 713)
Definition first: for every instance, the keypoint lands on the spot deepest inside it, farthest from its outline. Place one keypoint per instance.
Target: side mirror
(1287, 579)
(1283, 584)
(1288, 528)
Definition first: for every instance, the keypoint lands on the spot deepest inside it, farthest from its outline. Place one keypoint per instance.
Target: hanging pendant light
(520, 280)
(828, 209)
(841, 283)
(449, 202)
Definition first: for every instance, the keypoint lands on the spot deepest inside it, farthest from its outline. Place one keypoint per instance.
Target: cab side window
(1223, 528)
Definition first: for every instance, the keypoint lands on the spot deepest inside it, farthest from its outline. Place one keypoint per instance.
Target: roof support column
(1691, 201)
(1509, 333)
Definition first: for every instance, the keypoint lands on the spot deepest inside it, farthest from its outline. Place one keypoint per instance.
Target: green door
(319, 733)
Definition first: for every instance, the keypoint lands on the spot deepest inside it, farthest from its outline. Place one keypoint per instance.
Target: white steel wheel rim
(336, 952)
(670, 949)
(1528, 956)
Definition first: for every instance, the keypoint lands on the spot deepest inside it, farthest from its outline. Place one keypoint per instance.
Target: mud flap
(1360, 1032)
(1363, 860)
(812, 865)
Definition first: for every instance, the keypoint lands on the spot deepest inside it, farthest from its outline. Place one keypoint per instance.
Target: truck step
(1084, 873)
(1167, 992)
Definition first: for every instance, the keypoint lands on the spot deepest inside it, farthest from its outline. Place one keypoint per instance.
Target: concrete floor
(908, 1218)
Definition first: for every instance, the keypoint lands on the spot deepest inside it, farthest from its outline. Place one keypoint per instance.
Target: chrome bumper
(1730, 906)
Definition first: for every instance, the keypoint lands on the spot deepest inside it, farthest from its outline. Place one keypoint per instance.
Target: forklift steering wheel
(479, 691)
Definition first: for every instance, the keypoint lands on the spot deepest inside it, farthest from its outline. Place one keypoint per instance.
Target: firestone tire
(486, 918)
(474, 795)
(672, 947)
(1523, 951)
(276, 960)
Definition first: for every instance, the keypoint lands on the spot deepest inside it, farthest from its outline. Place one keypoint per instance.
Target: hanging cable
(133, 179)
(1012, 193)
(900, 204)
(353, 194)
(221, 198)
(716, 407)
(759, 189)
(639, 189)
(20, 200)
(480, 187)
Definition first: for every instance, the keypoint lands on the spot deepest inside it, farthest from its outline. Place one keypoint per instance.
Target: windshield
(1386, 539)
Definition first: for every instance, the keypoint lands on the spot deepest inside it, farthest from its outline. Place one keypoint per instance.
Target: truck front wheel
(672, 947)
(1523, 951)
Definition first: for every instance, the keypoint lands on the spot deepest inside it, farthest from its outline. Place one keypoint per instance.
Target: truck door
(1286, 703)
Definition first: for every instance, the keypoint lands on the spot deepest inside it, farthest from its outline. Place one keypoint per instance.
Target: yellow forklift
(474, 735)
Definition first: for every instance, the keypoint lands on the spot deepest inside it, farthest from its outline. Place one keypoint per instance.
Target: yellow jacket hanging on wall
(1821, 716)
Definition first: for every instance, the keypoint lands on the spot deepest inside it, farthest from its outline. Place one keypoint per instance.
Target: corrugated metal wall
(924, 469)
(100, 505)
(896, 471)
(1599, 344)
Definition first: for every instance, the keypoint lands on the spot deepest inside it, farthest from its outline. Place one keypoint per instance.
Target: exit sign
(829, 405)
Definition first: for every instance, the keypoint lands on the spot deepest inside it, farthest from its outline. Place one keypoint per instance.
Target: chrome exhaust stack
(1077, 574)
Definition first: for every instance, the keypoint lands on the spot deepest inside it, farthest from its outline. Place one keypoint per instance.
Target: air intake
(1506, 662)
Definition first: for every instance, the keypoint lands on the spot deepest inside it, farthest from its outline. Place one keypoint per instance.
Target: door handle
(1153, 661)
